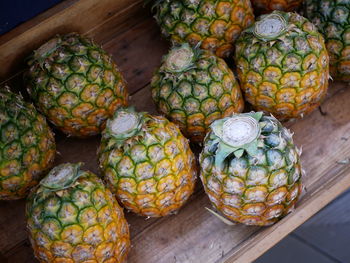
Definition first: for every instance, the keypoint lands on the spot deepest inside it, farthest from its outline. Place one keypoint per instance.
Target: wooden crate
(129, 33)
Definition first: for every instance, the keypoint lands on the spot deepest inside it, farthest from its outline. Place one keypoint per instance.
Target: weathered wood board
(193, 235)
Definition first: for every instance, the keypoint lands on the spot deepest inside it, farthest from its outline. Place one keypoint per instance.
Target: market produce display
(331, 19)
(75, 84)
(249, 166)
(265, 6)
(214, 24)
(27, 146)
(193, 88)
(73, 217)
(251, 169)
(283, 65)
(147, 163)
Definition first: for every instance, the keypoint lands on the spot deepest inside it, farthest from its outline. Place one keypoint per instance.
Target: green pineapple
(72, 217)
(332, 19)
(193, 88)
(75, 84)
(250, 169)
(27, 146)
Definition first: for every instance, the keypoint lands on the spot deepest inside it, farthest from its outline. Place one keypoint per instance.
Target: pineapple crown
(59, 178)
(272, 27)
(62, 177)
(125, 124)
(181, 58)
(14, 103)
(235, 135)
(180, 63)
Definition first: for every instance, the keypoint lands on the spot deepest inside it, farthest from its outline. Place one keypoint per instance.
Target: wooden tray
(129, 33)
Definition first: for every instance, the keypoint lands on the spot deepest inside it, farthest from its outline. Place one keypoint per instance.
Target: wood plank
(83, 16)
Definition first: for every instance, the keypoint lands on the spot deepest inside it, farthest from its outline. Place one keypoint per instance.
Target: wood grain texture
(99, 19)
(193, 235)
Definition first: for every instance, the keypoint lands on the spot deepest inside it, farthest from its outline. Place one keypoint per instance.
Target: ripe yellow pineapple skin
(255, 190)
(75, 84)
(214, 24)
(27, 146)
(265, 6)
(83, 223)
(153, 174)
(287, 77)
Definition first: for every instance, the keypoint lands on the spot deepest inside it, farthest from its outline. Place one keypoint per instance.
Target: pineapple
(283, 65)
(251, 169)
(75, 84)
(265, 6)
(214, 24)
(193, 88)
(331, 18)
(27, 146)
(147, 163)
(73, 217)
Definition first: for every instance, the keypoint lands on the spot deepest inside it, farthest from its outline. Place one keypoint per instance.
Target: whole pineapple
(147, 163)
(75, 84)
(73, 217)
(332, 19)
(265, 6)
(283, 65)
(27, 146)
(214, 24)
(193, 88)
(250, 169)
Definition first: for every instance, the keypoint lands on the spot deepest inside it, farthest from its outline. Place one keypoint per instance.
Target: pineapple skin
(196, 97)
(75, 84)
(287, 77)
(266, 6)
(331, 18)
(83, 223)
(255, 190)
(216, 24)
(152, 175)
(27, 146)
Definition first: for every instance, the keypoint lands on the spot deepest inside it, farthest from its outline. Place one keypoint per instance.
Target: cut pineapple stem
(48, 48)
(271, 26)
(179, 59)
(223, 219)
(61, 176)
(240, 130)
(124, 122)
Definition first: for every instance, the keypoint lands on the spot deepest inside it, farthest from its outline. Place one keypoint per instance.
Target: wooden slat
(83, 16)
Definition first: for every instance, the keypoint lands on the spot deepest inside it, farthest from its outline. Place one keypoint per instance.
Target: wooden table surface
(193, 235)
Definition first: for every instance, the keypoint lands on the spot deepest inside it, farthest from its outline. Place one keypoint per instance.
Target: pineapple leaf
(223, 219)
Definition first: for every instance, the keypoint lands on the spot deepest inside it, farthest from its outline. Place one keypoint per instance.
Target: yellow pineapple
(214, 24)
(283, 65)
(72, 217)
(147, 163)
